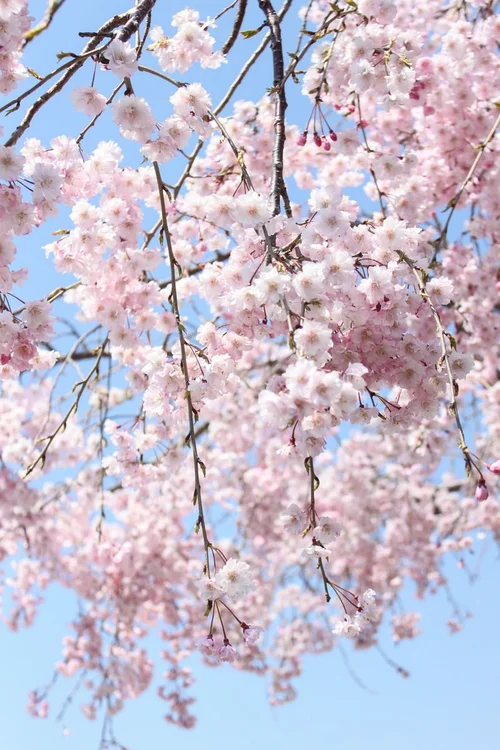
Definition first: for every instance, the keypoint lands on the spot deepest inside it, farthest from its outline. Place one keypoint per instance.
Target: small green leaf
(452, 340)
(249, 33)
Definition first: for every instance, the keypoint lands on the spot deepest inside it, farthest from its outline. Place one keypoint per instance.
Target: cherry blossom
(263, 395)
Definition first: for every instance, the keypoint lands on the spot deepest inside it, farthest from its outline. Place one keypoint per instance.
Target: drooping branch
(278, 188)
(72, 409)
(197, 463)
(233, 36)
(453, 203)
(91, 47)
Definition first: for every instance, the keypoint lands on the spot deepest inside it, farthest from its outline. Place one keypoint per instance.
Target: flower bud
(302, 139)
(317, 139)
(482, 493)
(495, 467)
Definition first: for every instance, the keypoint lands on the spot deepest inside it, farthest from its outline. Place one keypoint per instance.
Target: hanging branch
(72, 409)
(278, 188)
(192, 416)
(453, 203)
(90, 48)
(233, 36)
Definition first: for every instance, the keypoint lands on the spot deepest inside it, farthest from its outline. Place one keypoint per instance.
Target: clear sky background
(451, 699)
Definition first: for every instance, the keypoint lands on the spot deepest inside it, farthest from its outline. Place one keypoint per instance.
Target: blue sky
(450, 700)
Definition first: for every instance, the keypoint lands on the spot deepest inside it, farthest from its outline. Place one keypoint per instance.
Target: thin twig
(90, 48)
(73, 408)
(97, 116)
(197, 463)
(52, 8)
(420, 277)
(453, 203)
(14, 104)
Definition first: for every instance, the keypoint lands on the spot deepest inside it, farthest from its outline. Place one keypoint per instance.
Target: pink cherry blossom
(260, 382)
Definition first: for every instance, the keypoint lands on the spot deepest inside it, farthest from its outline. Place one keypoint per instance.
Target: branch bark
(92, 45)
(233, 36)
(135, 20)
(278, 188)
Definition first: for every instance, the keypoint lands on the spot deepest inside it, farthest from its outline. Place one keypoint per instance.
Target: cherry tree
(266, 393)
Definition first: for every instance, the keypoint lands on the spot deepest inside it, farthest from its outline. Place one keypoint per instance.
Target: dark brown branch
(278, 188)
(58, 85)
(250, 62)
(233, 36)
(132, 26)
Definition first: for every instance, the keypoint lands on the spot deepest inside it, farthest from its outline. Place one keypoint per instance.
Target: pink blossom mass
(265, 392)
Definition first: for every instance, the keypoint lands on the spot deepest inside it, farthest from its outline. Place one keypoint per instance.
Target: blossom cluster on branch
(281, 402)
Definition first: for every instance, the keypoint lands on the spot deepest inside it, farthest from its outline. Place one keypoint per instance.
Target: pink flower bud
(326, 145)
(333, 136)
(317, 139)
(482, 493)
(226, 652)
(351, 108)
(302, 139)
(495, 467)
(428, 110)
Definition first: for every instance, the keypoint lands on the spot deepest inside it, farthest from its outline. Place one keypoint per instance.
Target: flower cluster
(233, 580)
(191, 44)
(270, 348)
(14, 23)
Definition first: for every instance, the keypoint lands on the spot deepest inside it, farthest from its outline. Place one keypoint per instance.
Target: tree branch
(278, 188)
(135, 20)
(89, 48)
(197, 463)
(52, 8)
(233, 36)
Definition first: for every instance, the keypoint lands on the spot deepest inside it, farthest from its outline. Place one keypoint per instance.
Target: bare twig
(233, 36)
(313, 485)
(250, 62)
(73, 408)
(14, 104)
(96, 117)
(52, 8)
